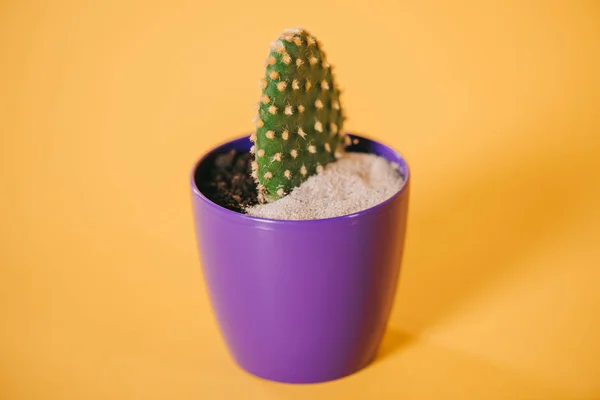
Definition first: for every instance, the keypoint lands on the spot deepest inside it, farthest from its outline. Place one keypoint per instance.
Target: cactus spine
(299, 126)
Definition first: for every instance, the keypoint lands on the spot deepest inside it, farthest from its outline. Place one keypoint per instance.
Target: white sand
(353, 183)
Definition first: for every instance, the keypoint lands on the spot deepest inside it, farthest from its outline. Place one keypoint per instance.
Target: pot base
(307, 379)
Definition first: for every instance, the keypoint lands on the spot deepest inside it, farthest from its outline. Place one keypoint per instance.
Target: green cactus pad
(300, 119)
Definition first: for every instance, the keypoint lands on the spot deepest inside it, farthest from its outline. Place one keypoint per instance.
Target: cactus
(300, 119)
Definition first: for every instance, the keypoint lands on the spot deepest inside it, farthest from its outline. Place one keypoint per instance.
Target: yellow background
(105, 106)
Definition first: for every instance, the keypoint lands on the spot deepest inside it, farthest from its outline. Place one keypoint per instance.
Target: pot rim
(249, 218)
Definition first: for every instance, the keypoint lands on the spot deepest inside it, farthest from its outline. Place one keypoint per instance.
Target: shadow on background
(460, 240)
(393, 341)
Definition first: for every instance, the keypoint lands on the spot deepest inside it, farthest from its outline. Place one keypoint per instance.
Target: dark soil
(228, 183)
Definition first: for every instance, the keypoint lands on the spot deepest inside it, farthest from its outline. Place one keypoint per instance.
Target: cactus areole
(300, 119)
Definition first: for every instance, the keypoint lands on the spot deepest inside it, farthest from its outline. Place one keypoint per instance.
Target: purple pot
(302, 301)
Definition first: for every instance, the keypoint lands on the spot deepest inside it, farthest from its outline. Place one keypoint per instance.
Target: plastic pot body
(302, 301)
